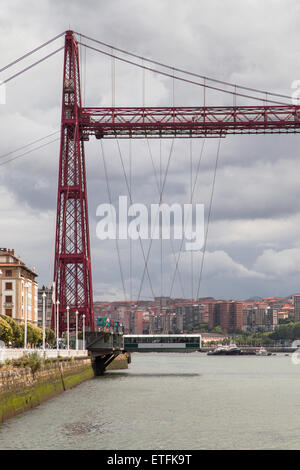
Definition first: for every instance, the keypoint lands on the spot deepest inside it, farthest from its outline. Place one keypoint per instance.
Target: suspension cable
(28, 145)
(110, 201)
(32, 52)
(192, 196)
(160, 201)
(29, 151)
(186, 72)
(32, 65)
(159, 186)
(209, 217)
(171, 68)
(191, 202)
(130, 240)
(186, 80)
(161, 238)
(130, 198)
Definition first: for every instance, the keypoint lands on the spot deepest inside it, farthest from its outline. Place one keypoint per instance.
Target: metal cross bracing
(72, 269)
(188, 121)
(72, 265)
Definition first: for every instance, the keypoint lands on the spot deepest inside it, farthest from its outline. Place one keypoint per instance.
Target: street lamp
(83, 331)
(54, 309)
(68, 327)
(57, 322)
(76, 313)
(26, 286)
(1, 294)
(44, 295)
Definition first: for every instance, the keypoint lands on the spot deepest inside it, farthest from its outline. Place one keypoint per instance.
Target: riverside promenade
(16, 353)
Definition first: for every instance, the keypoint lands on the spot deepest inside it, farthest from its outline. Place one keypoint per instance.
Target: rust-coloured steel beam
(188, 121)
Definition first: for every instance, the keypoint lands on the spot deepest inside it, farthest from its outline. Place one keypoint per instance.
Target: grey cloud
(254, 43)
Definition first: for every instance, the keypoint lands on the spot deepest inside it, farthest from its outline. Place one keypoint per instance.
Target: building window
(8, 286)
(8, 312)
(8, 273)
(8, 299)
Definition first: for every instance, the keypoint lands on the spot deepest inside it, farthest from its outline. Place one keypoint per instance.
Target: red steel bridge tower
(72, 266)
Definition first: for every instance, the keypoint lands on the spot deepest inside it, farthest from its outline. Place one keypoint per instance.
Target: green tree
(288, 331)
(50, 336)
(34, 335)
(218, 330)
(17, 332)
(6, 332)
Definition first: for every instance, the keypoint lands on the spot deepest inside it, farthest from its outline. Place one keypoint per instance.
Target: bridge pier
(99, 363)
(103, 347)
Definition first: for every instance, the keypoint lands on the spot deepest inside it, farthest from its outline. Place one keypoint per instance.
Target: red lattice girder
(72, 269)
(189, 121)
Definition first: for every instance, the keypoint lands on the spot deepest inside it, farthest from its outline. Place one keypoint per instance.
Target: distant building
(166, 322)
(296, 298)
(192, 313)
(138, 322)
(260, 316)
(48, 306)
(18, 288)
(173, 323)
(227, 314)
(162, 301)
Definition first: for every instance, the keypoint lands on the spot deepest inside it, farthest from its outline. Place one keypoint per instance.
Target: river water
(171, 401)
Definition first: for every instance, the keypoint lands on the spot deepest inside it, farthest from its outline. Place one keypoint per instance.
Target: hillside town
(166, 315)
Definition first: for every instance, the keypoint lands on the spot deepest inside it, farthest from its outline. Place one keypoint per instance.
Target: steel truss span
(72, 269)
(188, 121)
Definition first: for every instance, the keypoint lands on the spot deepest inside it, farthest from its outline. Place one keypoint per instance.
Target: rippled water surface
(171, 401)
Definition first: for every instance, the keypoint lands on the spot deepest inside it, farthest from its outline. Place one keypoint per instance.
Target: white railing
(9, 353)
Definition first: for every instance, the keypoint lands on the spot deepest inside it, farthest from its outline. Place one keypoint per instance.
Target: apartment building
(18, 288)
(227, 314)
(296, 298)
(48, 306)
(191, 312)
(260, 316)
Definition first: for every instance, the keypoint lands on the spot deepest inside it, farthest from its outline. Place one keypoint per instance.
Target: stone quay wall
(21, 389)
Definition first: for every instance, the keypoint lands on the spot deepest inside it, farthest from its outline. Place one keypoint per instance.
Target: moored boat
(263, 352)
(233, 350)
(220, 350)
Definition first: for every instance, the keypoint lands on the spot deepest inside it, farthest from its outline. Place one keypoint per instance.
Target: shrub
(34, 362)
(50, 336)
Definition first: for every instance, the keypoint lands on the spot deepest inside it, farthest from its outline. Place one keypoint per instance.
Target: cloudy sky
(253, 245)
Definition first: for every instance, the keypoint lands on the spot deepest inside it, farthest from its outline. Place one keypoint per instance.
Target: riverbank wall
(22, 389)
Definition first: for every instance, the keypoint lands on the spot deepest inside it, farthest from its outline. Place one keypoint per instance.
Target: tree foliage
(6, 332)
(16, 331)
(11, 331)
(50, 336)
(290, 331)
